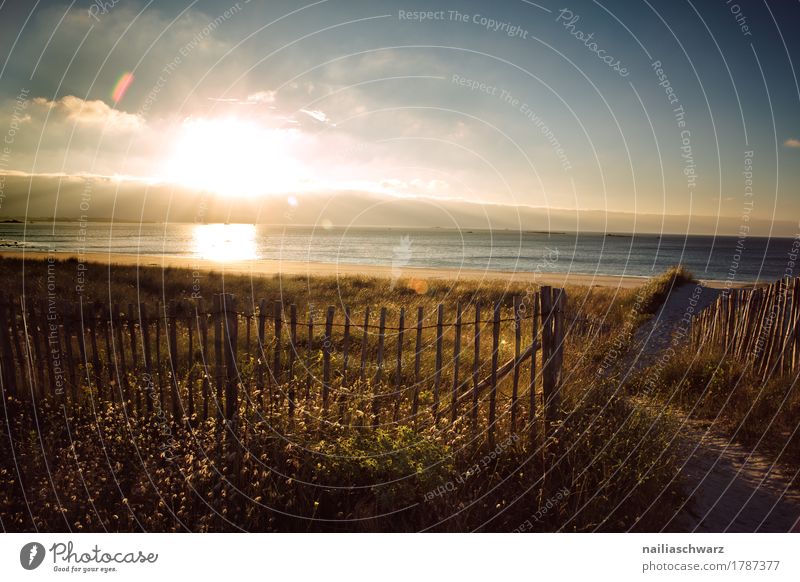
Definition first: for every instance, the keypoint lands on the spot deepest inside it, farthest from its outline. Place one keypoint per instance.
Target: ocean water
(718, 258)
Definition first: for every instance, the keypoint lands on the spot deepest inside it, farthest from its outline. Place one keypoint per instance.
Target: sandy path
(727, 486)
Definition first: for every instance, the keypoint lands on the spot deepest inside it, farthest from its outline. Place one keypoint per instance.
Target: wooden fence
(760, 327)
(191, 361)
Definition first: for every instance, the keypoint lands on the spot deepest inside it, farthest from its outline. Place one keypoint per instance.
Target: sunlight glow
(234, 158)
(225, 242)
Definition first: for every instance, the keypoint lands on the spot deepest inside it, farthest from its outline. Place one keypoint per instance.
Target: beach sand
(262, 268)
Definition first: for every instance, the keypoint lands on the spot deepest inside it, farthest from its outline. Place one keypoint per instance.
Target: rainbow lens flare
(122, 86)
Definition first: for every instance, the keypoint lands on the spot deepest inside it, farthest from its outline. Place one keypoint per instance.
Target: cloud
(792, 143)
(94, 112)
(316, 114)
(262, 97)
(258, 98)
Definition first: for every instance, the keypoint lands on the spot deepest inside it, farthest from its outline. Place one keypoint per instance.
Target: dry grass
(317, 472)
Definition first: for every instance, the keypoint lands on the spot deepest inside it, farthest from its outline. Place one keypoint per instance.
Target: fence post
(437, 377)
(25, 381)
(262, 350)
(47, 358)
(346, 345)
(173, 357)
(364, 346)
(495, 354)
(796, 320)
(548, 363)
(292, 355)
(9, 383)
(456, 366)
(326, 359)
(134, 360)
(535, 342)
(398, 375)
(517, 348)
(104, 313)
(206, 384)
(97, 367)
(160, 317)
(187, 311)
(561, 308)
(277, 315)
(123, 365)
(37, 337)
(476, 367)
(417, 358)
(376, 391)
(144, 329)
(71, 364)
(219, 371)
(231, 345)
(309, 350)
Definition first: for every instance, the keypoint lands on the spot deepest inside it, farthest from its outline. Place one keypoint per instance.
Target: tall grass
(97, 468)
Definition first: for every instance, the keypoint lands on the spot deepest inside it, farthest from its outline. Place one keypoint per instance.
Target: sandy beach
(268, 268)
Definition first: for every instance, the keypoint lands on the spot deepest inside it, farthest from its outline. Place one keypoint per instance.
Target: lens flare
(122, 86)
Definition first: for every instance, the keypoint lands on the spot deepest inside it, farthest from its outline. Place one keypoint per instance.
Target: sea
(732, 258)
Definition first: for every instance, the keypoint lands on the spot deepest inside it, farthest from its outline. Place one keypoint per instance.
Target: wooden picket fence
(760, 327)
(188, 361)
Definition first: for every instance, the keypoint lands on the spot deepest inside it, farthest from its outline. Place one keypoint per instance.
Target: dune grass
(99, 469)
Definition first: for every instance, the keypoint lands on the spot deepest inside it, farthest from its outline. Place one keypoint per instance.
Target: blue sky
(504, 103)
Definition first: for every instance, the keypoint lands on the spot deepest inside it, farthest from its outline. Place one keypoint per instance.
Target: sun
(233, 158)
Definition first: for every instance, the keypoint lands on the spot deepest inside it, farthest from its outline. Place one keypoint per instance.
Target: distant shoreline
(410, 228)
(266, 268)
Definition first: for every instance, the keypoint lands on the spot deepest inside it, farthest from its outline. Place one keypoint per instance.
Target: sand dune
(262, 268)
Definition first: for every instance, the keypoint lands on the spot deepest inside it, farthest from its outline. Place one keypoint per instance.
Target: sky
(651, 115)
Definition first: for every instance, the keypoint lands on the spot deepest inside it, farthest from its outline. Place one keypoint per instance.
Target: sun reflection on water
(225, 242)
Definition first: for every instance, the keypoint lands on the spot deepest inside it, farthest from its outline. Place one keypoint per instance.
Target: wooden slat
(206, 355)
(376, 394)
(158, 363)
(364, 346)
(532, 380)
(219, 366)
(309, 350)
(417, 358)
(144, 331)
(89, 315)
(493, 389)
(20, 353)
(476, 366)
(456, 366)
(105, 323)
(326, 359)
(277, 316)
(40, 348)
(517, 350)
(346, 346)
(68, 321)
(292, 356)
(130, 319)
(262, 350)
(231, 346)
(173, 358)
(188, 313)
(119, 353)
(398, 373)
(561, 308)
(9, 382)
(437, 372)
(548, 362)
